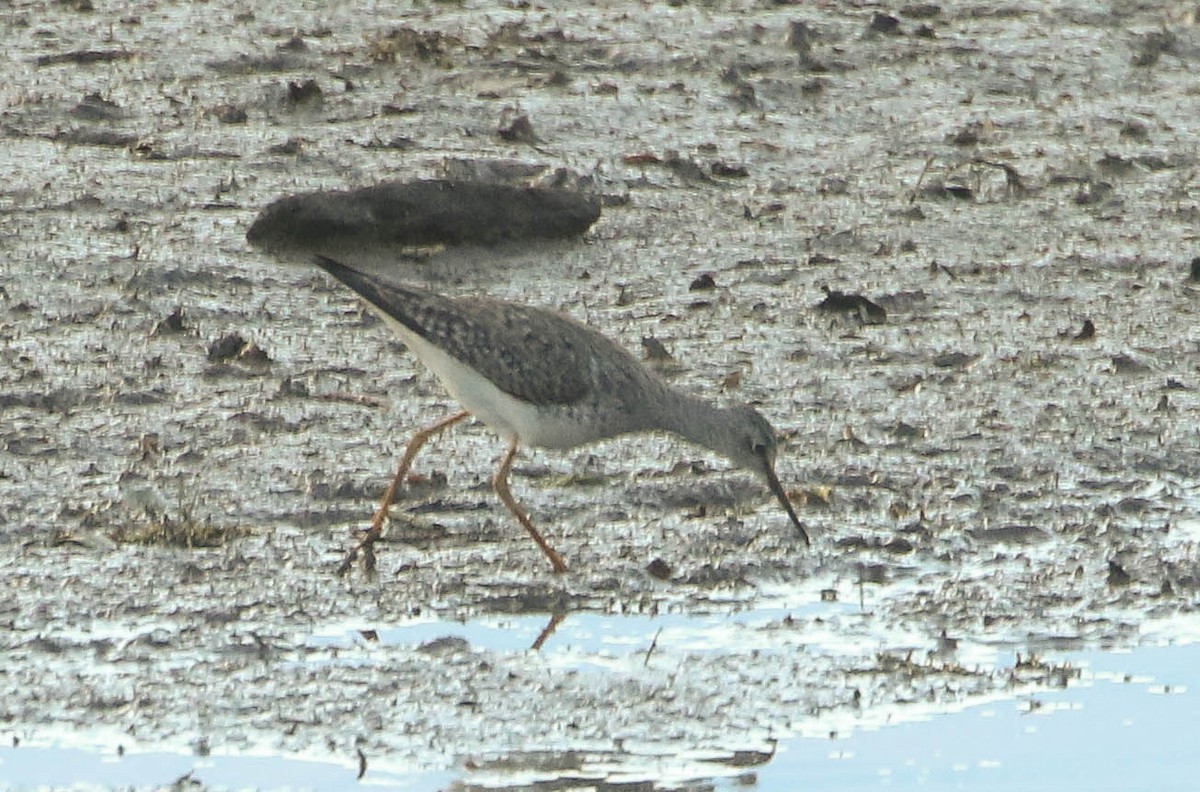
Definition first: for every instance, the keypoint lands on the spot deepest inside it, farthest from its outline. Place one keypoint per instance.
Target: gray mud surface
(977, 468)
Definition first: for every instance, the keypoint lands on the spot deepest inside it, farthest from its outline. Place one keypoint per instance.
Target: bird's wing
(532, 354)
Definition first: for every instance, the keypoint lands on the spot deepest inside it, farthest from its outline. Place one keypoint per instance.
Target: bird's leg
(367, 545)
(410, 453)
(552, 625)
(500, 482)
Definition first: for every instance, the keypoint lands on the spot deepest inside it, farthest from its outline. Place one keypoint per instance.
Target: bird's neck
(692, 418)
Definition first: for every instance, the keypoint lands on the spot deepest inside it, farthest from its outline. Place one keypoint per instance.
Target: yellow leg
(367, 545)
(410, 453)
(500, 482)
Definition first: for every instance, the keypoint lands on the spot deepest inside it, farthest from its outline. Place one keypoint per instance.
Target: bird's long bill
(777, 489)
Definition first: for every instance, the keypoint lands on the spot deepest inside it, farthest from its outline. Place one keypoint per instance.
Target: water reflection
(1070, 720)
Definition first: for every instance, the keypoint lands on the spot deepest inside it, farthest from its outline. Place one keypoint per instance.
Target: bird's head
(751, 442)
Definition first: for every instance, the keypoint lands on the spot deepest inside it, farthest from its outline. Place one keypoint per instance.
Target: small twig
(653, 645)
(936, 266)
(1012, 177)
(352, 398)
(362, 764)
(916, 187)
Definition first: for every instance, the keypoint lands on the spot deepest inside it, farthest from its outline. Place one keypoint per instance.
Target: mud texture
(1004, 459)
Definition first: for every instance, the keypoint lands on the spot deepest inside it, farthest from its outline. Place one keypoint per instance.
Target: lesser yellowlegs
(540, 378)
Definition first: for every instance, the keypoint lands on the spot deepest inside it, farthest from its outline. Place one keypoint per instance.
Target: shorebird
(540, 378)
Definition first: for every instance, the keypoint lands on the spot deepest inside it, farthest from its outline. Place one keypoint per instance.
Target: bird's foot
(364, 548)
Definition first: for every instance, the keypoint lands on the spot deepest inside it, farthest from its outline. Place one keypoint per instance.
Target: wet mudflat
(992, 434)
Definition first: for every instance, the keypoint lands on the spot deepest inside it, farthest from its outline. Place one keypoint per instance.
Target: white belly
(508, 416)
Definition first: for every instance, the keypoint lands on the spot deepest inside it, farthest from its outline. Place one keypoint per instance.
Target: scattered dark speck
(447, 644)
(1152, 46)
(885, 24)
(906, 431)
(872, 573)
(800, 37)
(729, 171)
(95, 107)
(226, 347)
(520, 130)
(969, 135)
(230, 114)
(171, 323)
(291, 386)
(1134, 130)
(1134, 505)
(654, 349)
(1126, 364)
(1116, 165)
(84, 57)
(659, 569)
(843, 302)
(921, 10)
(254, 354)
(289, 146)
(304, 93)
(1013, 534)
(1093, 192)
(940, 190)
(954, 360)
(833, 185)
(687, 169)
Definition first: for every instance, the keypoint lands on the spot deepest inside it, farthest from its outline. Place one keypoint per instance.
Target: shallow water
(1119, 720)
(1124, 724)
